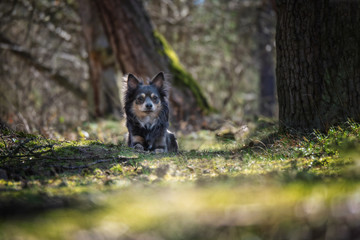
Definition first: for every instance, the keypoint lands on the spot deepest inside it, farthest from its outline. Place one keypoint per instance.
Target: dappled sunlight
(265, 186)
(249, 131)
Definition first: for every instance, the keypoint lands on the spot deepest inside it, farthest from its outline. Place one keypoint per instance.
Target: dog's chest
(147, 122)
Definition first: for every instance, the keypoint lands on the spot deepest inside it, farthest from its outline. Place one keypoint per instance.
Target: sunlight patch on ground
(266, 186)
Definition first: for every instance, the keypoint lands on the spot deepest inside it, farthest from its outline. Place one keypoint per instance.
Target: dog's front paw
(159, 150)
(139, 147)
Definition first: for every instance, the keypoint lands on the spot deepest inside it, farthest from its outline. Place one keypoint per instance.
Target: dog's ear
(132, 82)
(158, 80)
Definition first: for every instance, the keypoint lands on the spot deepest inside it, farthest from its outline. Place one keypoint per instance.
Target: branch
(61, 80)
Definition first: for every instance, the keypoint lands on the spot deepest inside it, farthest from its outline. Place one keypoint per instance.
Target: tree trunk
(142, 51)
(53, 75)
(265, 23)
(318, 63)
(103, 90)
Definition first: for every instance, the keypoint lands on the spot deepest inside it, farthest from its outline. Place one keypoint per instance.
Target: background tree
(318, 59)
(42, 66)
(103, 90)
(142, 51)
(265, 24)
(225, 36)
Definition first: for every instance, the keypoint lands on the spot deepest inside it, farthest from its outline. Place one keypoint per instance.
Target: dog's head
(145, 99)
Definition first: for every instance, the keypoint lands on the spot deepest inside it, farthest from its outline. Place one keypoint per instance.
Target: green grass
(266, 186)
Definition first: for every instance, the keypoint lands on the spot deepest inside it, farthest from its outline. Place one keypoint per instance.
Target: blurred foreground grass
(265, 186)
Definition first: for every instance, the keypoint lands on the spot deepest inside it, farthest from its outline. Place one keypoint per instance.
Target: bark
(265, 41)
(318, 63)
(103, 90)
(55, 76)
(142, 51)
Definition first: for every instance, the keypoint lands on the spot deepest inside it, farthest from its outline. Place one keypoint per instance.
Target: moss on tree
(181, 78)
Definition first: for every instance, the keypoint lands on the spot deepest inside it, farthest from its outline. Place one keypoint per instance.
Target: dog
(147, 115)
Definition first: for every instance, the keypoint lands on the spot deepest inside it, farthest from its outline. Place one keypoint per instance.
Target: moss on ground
(269, 186)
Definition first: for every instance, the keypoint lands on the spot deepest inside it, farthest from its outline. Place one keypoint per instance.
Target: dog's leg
(137, 143)
(160, 144)
(139, 147)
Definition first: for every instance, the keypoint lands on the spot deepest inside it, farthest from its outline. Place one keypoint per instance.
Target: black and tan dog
(147, 115)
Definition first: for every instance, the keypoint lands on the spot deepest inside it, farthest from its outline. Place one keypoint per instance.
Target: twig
(12, 153)
(41, 147)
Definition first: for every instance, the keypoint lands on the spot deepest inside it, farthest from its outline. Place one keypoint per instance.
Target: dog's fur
(147, 115)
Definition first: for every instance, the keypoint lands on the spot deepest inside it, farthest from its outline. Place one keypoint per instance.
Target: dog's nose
(148, 105)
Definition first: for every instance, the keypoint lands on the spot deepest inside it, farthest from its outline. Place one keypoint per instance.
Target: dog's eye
(140, 99)
(155, 98)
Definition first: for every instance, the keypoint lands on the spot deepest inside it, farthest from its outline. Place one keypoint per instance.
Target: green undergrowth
(267, 186)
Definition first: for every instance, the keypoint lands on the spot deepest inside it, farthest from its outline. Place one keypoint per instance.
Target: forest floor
(261, 185)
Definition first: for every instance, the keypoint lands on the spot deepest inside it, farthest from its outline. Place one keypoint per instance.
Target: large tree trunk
(142, 51)
(265, 23)
(318, 63)
(103, 90)
(53, 75)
